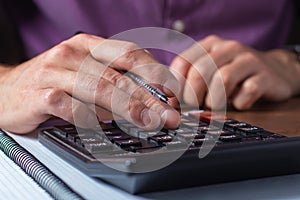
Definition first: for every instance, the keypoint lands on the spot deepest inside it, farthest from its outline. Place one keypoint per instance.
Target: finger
(227, 79)
(182, 63)
(103, 114)
(123, 55)
(200, 49)
(56, 102)
(250, 91)
(208, 42)
(98, 90)
(140, 104)
(179, 68)
(225, 52)
(204, 74)
(198, 78)
(159, 77)
(88, 88)
(130, 57)
(198, 74)
(121, 96)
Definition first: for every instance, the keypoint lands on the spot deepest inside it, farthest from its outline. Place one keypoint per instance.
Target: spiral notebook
(29, 177)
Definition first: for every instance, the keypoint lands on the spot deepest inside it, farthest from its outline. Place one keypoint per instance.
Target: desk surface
(283, 117)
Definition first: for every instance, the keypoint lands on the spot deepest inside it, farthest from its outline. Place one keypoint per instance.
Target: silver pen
(154, 91)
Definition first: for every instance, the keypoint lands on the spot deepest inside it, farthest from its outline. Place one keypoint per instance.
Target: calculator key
(235, 125)
(198, 142)
(87, 140)
(114, 138)
(230, 121)
(126, 127)
(160, 139)
(97, 147)
(82, 140)
(194, 125)
(145, 147)
(134, 131)
(183, 130)
(171, 132)
(219, 132)
(230, 138)
(205, 129)
(105, 126)
(67, 128)
(175, 144)
(250, 129)
(147, 134)
(72, 137)
(191, 136)
(56, 132)
(251, 139)
(128, 143)
(110, 132)
(207, 116)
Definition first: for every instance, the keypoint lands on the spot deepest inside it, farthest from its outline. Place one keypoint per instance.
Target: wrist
(294, 48)
(4, 69)
(290, 61)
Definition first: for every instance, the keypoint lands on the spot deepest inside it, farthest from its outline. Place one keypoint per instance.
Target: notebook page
(87, 187)
(16, 184)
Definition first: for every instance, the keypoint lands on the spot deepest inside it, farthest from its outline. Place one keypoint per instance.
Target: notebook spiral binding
(36, 170)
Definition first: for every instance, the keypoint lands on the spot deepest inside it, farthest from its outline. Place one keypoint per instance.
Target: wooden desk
(283, 117)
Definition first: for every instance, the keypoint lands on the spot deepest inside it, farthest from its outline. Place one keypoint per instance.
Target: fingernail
(171, 119)
(146, 117)
(242, 102)
(150, 119)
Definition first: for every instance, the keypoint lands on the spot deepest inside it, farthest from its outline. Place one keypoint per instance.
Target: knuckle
(249, 57)
(251, 88)
(113, 76)
(81, 36)
(234, 45)
(53, 97)
(129, 47)
(122, 82)
(63, 50)
(130, 52)
(225, 76)
(213, 37)
(181, 61)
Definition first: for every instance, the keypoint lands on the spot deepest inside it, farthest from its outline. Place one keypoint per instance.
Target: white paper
(79, 182)
(16, 184)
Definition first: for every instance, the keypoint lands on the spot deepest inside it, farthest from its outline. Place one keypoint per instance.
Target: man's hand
(246, 74)
(80, 76)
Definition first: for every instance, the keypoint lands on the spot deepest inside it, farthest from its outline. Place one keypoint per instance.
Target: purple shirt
(262, 24)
